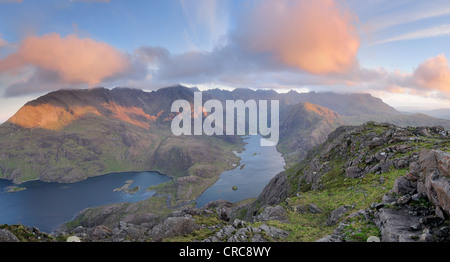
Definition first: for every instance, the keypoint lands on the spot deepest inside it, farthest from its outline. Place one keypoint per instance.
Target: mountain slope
(69, 135)
(304, 126)
(373, 180)
(368, 180)
(343, 104)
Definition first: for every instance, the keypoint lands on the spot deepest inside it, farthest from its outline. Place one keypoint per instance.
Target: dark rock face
(428, 179)
(294, 141)
(183, 222)
(398, 225)
(403, 186)
(434, 178)
(275, 192)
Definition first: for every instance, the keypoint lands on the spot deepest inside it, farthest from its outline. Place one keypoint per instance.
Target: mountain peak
(58, 109)
(322, 111)
(177, 88)
(304, 126)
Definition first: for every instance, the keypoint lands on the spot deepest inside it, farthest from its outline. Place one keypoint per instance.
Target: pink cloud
(75, 60)
(315, 36)
(433, 74)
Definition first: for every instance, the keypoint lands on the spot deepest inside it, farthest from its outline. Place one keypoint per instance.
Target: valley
(68, 136)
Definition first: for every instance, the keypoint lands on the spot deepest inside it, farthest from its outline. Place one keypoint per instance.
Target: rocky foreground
(374, 182)
(417, 207)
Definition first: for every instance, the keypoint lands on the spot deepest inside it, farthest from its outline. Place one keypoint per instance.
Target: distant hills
(439, 113)
(443, 113)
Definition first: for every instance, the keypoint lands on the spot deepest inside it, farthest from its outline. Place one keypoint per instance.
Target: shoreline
(102, 174)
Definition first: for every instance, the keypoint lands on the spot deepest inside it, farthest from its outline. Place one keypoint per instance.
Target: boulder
(437, 188)
(434, 180)
(427, 160)
(101, 232)
(376, 142)
(397, 225)
(336, 215)
(173, 226)
(125, 231)
(403, 186)
(329, 238)
(386, 166)
(73, 239)
(7, 236)
(273, 213)
(373, 239)
(241, 235)
(313, 209)
(404, 199)
(414, 169)
(443, 161)
(274, 232)
(222, 207)
(353, 172)
(424, 131)
(228, 230)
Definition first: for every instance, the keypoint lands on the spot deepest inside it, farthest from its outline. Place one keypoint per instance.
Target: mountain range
(70, 135)
(439, 113)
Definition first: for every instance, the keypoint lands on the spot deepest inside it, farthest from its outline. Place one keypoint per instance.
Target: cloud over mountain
(66, 60)
(315, 36)
(272, 44)
(433, 74)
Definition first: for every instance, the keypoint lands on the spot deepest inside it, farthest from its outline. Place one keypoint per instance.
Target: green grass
(12, 189)
(200, 234)
(359, 229)
(25, 235)
(358, 193)
(197, 235)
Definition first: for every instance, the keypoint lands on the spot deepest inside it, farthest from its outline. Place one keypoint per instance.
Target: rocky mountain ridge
(68, 135)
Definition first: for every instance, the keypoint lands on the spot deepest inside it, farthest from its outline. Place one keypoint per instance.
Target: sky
(395, 50)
